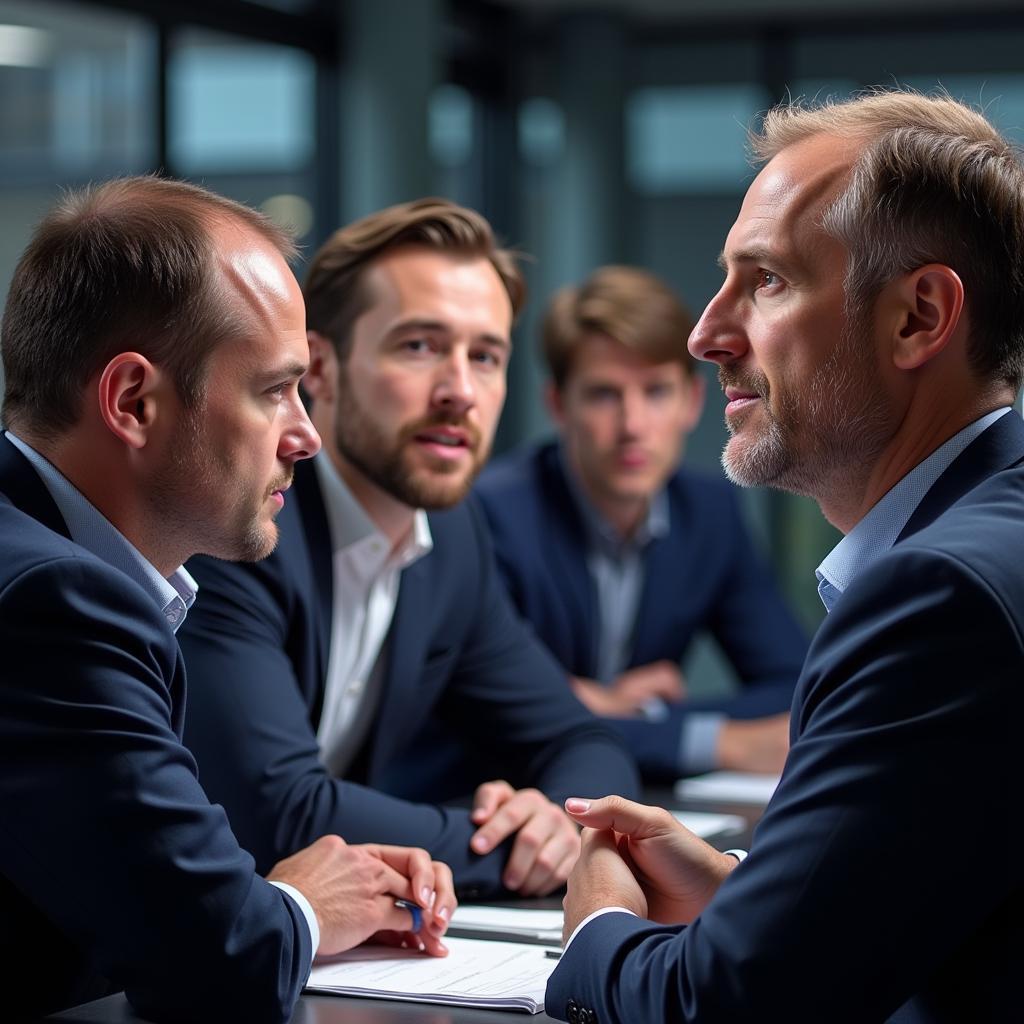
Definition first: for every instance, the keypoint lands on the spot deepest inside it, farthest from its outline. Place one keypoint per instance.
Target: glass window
(450, 125)
(77, 88)
(236, 105)
(690, 138)
(541, 128)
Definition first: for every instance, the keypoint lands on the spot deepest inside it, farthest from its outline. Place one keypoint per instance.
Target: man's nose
(718, 336)
(455, 388)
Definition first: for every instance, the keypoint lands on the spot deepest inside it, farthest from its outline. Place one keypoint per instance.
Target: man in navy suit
(153, 341)
(377, 639)
(870, 340)
(618, 556)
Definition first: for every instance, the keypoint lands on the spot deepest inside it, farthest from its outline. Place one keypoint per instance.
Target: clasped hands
(642, 859)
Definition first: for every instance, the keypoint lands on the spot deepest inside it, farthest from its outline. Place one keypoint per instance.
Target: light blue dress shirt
(616, 566)
(90, 529)
(876, 533)
(94, 532)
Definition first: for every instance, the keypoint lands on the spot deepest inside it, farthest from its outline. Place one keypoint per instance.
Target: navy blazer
(256, 645)
(115, 870)
(704, 575)
(883, 881)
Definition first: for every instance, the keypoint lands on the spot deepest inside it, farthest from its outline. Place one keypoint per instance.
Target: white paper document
(491, 975)
(511, 923)
(729, 787)
(705, 824)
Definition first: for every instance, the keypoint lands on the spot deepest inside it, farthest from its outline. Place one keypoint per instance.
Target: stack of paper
(512, 924)
(728, 787)
(484, 974)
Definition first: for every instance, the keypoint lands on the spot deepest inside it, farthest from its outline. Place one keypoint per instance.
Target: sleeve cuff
(590, 917)
(698, 742)
(307, 912)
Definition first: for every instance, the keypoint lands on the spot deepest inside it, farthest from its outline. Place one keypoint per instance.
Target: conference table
(326, 1009)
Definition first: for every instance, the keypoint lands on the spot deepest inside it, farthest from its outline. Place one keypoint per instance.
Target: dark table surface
(323, 1009)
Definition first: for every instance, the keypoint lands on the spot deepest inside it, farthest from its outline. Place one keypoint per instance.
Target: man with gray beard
(902, 216)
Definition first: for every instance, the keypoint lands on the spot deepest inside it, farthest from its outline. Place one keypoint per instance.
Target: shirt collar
(600, 532)
(877, 531)
(350, 526)
(90, 529)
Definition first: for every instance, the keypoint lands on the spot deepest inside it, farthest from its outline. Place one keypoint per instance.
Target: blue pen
(417, 914)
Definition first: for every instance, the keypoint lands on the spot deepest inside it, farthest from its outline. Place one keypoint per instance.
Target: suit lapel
(23, 487)
(321, 559)
(994, 450)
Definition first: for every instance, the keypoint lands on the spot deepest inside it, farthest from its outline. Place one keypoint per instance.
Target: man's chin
(435, 491)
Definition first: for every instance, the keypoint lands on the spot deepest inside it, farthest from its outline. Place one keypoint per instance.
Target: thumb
(487, 799)
(624, 816)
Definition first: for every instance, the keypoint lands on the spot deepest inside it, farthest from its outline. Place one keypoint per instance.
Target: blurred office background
(588, 132)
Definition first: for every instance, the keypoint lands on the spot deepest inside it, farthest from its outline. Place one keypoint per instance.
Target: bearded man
(377, 646)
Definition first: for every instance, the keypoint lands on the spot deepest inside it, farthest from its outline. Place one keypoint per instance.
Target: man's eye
(486, 358)
(767, 278)
(416, 345)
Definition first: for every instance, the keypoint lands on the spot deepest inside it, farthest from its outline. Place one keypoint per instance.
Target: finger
(414, 866)
(402, 940)
(531, 842)
(544, 876)
(540, 846)
(509, 818)
(432, 944)
(615, 812)
(488, 797)
(420, 870)
(444, 900)
(394, 883)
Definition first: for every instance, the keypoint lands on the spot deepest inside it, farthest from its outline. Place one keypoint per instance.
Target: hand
(547, 843)
(601, 878)
(677, 872)
(757, 745)
(353, 889)
(660, 680)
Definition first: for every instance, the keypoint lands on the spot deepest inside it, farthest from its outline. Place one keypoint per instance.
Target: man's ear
(128, 392)
(929, 306)
(553, 400)
(321, 379)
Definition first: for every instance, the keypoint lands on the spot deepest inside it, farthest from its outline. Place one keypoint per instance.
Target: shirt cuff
(590, 917)
(698, 742)
(307, 912)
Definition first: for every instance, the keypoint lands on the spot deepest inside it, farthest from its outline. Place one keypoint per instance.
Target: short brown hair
(121, 266)
(934, 183)
(334, 290)
(628, 305)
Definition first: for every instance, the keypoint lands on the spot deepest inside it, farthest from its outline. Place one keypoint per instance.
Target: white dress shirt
(366, 578)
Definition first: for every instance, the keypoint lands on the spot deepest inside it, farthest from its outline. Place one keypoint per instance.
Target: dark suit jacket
(115, 870)
(704, 575)
(884, 879)
(256, 645)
